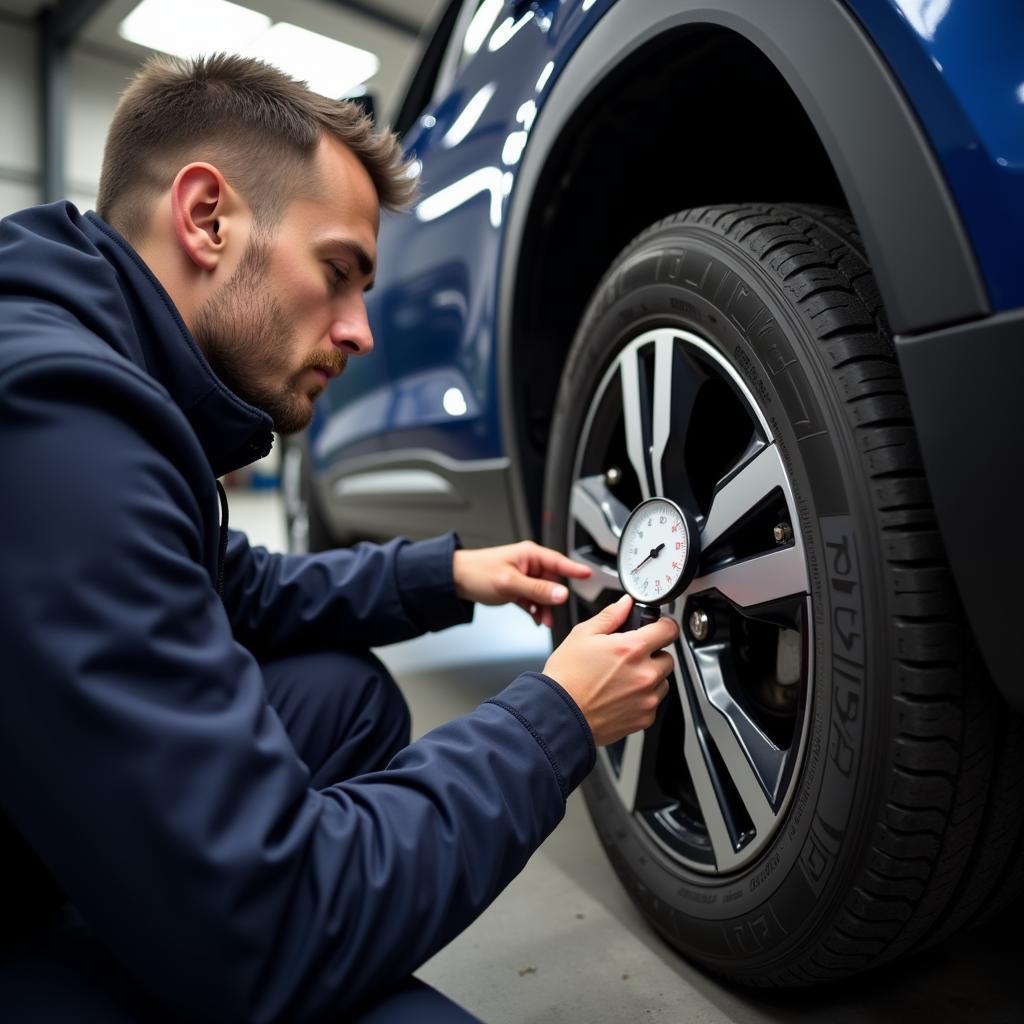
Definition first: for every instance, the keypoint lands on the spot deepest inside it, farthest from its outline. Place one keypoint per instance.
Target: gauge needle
(653, 554)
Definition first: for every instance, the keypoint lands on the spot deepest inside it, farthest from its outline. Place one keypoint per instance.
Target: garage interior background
(99, 62)
(52, 149)
(564, 942)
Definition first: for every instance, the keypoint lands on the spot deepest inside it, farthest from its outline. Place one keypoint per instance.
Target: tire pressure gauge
(657, 555)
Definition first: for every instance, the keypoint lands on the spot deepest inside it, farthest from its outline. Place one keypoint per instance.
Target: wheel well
(697, 117)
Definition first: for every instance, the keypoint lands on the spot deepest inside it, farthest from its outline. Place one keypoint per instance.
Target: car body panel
(432, 317)
(961, 65)
(925, 138)
(964, 386)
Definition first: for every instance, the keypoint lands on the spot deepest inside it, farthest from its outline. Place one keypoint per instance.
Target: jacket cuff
(555, 721)
(426, 584)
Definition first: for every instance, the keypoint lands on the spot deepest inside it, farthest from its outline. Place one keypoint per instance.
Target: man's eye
(338, 275)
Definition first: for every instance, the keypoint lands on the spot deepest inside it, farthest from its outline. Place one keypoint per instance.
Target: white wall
(19, 118)
(96, 82)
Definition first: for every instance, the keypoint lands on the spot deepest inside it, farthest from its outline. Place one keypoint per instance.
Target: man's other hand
(525, 574)
(617, 679)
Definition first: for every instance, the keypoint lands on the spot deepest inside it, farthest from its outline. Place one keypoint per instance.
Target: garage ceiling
(388, 28)
(415, 13)
(385, 28)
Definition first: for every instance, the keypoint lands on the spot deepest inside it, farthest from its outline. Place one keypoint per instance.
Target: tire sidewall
(695, 279)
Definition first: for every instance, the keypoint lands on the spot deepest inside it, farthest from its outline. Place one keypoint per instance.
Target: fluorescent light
(545, 75)
(196, 28)
(472, 113)
(506, 30)
(454, 402)
(513, 148)
(485, 17)
(924, 15)
(330, 67)
(192, 28)
(486, 179)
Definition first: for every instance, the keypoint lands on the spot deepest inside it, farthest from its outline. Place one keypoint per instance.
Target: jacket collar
(232, 432)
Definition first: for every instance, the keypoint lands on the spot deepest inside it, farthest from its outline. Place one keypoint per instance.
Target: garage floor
(563, 943)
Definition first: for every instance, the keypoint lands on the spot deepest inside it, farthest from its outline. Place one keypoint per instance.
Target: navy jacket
(141, 772)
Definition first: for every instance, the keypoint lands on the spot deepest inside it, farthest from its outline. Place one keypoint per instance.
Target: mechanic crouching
(209, 805)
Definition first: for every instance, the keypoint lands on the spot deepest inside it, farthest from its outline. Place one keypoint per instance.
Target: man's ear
(200, 201)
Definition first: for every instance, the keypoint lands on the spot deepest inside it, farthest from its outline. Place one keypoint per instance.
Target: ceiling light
(544, 76)
(472, 113)
(454, 402)
(507, 30)
(484, 19)
(331, 68)
(485, 179)
(196, 28)
(193, 28)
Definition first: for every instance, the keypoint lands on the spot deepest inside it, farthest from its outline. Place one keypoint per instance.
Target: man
(208, 803)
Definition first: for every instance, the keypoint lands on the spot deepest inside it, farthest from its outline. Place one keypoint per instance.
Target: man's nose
(352, 333)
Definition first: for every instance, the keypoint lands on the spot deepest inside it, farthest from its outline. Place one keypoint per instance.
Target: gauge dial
(656, 552)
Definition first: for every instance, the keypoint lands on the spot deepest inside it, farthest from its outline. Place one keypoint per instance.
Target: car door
(416, 425)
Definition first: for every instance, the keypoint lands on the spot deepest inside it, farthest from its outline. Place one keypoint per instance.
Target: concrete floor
(564, 943)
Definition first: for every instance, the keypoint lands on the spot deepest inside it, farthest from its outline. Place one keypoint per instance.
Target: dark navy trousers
(345, 716)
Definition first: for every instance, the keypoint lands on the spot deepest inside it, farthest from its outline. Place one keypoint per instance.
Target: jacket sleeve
(139, 759)
(367, 596)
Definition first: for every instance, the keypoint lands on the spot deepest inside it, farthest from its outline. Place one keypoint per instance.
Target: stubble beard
(247, 337)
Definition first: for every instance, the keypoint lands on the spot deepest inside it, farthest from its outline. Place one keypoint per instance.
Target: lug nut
(613, 476)
(783, 533)
(700, 624)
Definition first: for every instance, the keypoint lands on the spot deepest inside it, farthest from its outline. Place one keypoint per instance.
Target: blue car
(761, 258)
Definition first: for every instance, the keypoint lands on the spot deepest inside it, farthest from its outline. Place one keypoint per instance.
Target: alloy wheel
(296, 500)
(711, 780)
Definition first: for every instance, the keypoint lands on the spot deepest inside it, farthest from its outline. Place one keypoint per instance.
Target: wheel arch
(840, 133)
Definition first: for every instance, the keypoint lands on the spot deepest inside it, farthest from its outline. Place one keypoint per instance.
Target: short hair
(256, 124)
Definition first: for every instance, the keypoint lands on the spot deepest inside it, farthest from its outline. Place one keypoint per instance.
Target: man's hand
(524, 573)
(617, 679)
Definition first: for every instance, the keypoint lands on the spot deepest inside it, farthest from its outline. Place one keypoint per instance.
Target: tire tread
(955, 775)
(947, 848)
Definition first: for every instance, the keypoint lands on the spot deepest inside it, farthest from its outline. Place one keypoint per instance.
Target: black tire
(306, 529)
(902, 819)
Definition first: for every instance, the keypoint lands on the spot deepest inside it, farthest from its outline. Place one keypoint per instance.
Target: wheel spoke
(636, 414)
(707, 787)
(599, 512)
(629, 769)
(657, 413)
(740, 492)
(755, 764)
(777, 574)
(713, 725)
(678, 382)
(661, 418)
(602, 576)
